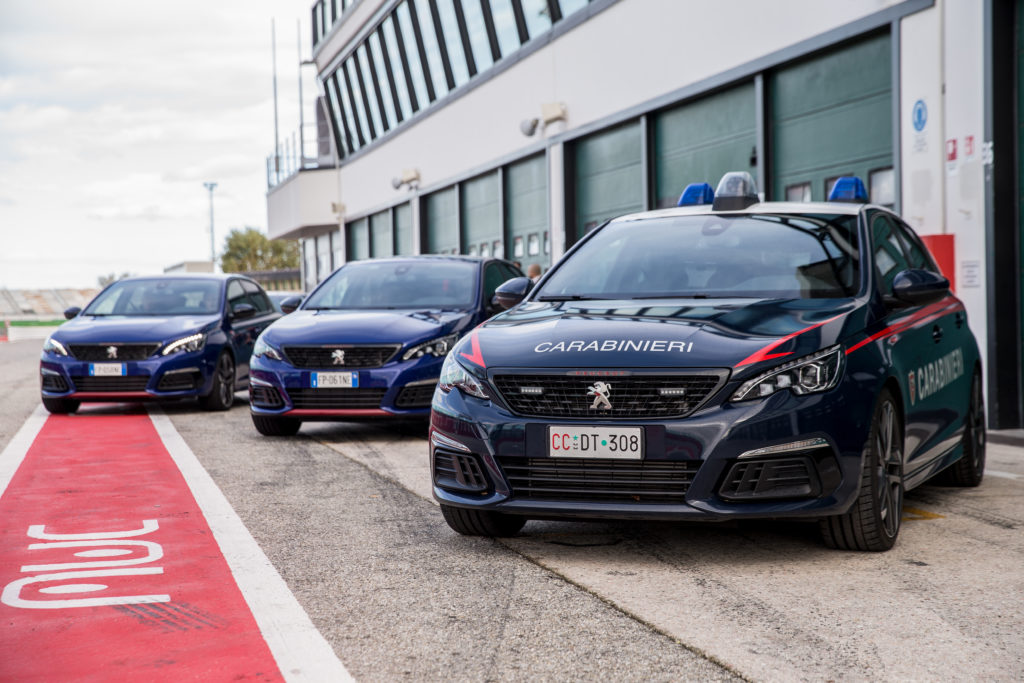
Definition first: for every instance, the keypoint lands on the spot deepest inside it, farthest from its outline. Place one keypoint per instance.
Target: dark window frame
(371, 65)
(354, 58)
(467, 47)
(421, 50)
(342, 118)
(352, 99)
(524, 34)
(492, 32)
(386, 57)
(396, 26)
(442, 46)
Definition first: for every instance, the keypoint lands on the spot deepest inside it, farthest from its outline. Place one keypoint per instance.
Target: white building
(513, 126)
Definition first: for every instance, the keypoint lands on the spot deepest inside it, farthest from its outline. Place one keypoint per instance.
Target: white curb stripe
(14, 454)
(301, 652)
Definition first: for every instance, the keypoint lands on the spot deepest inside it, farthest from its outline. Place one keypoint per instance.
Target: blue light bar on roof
(696, 193)
(848, 188)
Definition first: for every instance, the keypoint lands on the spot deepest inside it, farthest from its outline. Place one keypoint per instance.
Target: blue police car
(722, 360)
(166, 337)
(369, 341)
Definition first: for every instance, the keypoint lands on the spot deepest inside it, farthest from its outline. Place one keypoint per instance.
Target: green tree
(249, 249)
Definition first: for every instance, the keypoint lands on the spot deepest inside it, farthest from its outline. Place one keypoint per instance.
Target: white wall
(963, 62)
(632, 52)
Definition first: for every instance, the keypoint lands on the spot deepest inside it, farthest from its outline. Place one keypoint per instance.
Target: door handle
(959, 320)
(937, 333)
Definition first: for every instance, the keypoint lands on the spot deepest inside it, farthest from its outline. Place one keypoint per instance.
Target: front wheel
(60, 406)
(873, 522)
(276, 426)
(222, 394)
(469, 522)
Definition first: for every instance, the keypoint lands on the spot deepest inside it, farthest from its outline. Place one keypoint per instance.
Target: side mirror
(290, 304)
(242, 311)
(511, 292)
(918, 287)
(71, 312)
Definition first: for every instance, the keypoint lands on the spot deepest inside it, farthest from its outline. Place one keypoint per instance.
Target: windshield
(754, 255)
(158, 297)
(398, 284)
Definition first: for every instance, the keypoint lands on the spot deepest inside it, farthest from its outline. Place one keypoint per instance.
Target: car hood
(743, 335)
(88, 329)
(365, 326)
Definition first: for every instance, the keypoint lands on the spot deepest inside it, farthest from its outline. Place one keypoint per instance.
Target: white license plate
(106, 370)
(626, 443)
(334, 380)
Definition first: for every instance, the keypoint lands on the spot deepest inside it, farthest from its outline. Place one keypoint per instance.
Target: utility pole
(213, 252)
(302, 125)
(277, 145)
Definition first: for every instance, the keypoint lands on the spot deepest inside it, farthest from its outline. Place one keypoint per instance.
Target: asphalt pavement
(344, 514)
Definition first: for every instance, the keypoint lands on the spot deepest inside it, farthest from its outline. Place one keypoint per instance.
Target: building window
(368, 83)
(800, 192)
(453, 42)
(323, 256)
(413, 49)
(383, 81)
(432, 47)
(882, 185)
(571, 6)
(358, 101)
(505, 26)
(309, 258)
(397, 57)
(476, 27)
(537, 16)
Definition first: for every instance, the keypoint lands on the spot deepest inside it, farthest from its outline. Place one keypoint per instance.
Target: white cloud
(113, 114)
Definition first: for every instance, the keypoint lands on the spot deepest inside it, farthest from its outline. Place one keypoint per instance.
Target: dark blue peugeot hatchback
(168, 337)
(737, 359)
(369, 341)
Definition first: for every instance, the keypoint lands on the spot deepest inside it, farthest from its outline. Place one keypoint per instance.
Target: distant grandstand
(32, 304)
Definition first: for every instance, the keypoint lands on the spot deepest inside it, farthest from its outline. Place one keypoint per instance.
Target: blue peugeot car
(164, 337)
(369, 341)
(723, 360)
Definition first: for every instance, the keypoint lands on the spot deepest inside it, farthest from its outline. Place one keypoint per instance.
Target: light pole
(213, 252)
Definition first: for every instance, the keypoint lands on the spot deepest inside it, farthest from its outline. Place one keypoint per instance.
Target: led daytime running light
(193, 342)
(811, 374)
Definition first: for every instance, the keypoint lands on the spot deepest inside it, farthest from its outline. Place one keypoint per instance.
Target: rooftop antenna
(277, 148)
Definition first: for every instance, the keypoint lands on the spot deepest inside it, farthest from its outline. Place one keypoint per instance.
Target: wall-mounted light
(410, 178)
(549, 113)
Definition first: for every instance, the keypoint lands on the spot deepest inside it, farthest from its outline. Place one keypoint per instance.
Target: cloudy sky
(113, 114)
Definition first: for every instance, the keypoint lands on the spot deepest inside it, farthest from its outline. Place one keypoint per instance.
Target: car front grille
(336, 398)
(178, 381)
(631, 396)
(265, 397)
(782, 478)
(111, 384)
(101, 352)
(416, 396)
(54, 383)
(351, 356)
(600, 480)
(459, 472)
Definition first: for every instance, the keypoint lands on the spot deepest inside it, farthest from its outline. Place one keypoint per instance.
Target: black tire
(60, 406)
(470, 522)
(276, 426)
(222, 394)
(970, 469)
(873, 522)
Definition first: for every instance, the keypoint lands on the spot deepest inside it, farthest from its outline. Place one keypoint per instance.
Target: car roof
(218, 277)
(428, 257)
(794, 208)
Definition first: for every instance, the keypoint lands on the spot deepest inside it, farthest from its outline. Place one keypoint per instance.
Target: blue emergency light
(848, 188)
(696, 193)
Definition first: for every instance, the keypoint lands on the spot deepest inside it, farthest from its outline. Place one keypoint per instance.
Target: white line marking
(299, 649)
(14, 454)
(1003, 475)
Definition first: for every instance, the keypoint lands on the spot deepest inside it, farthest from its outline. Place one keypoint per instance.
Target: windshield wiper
(571, 297)
(676, 296)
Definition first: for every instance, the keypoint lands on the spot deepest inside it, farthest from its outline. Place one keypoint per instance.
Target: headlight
(262, 348)
(818, 372)
(54, 347)
(454, 376)
(435, 347)
(193, 342)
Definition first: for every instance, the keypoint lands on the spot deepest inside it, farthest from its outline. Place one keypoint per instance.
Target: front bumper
(398, 389)
(180, 375)
(699, 467)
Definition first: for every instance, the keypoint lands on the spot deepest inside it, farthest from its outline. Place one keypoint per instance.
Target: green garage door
(442, 222)
(380, 234)
(832, 116)
(481, 214)
(358, 246)
(526, 212)
(609, 176)
(404, 245)
(701, 141)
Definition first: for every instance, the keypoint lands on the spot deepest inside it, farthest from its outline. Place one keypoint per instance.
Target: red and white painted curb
(121, 559)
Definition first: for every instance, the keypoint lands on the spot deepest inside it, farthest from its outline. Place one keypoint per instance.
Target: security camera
(529, 126)
(396, 183)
